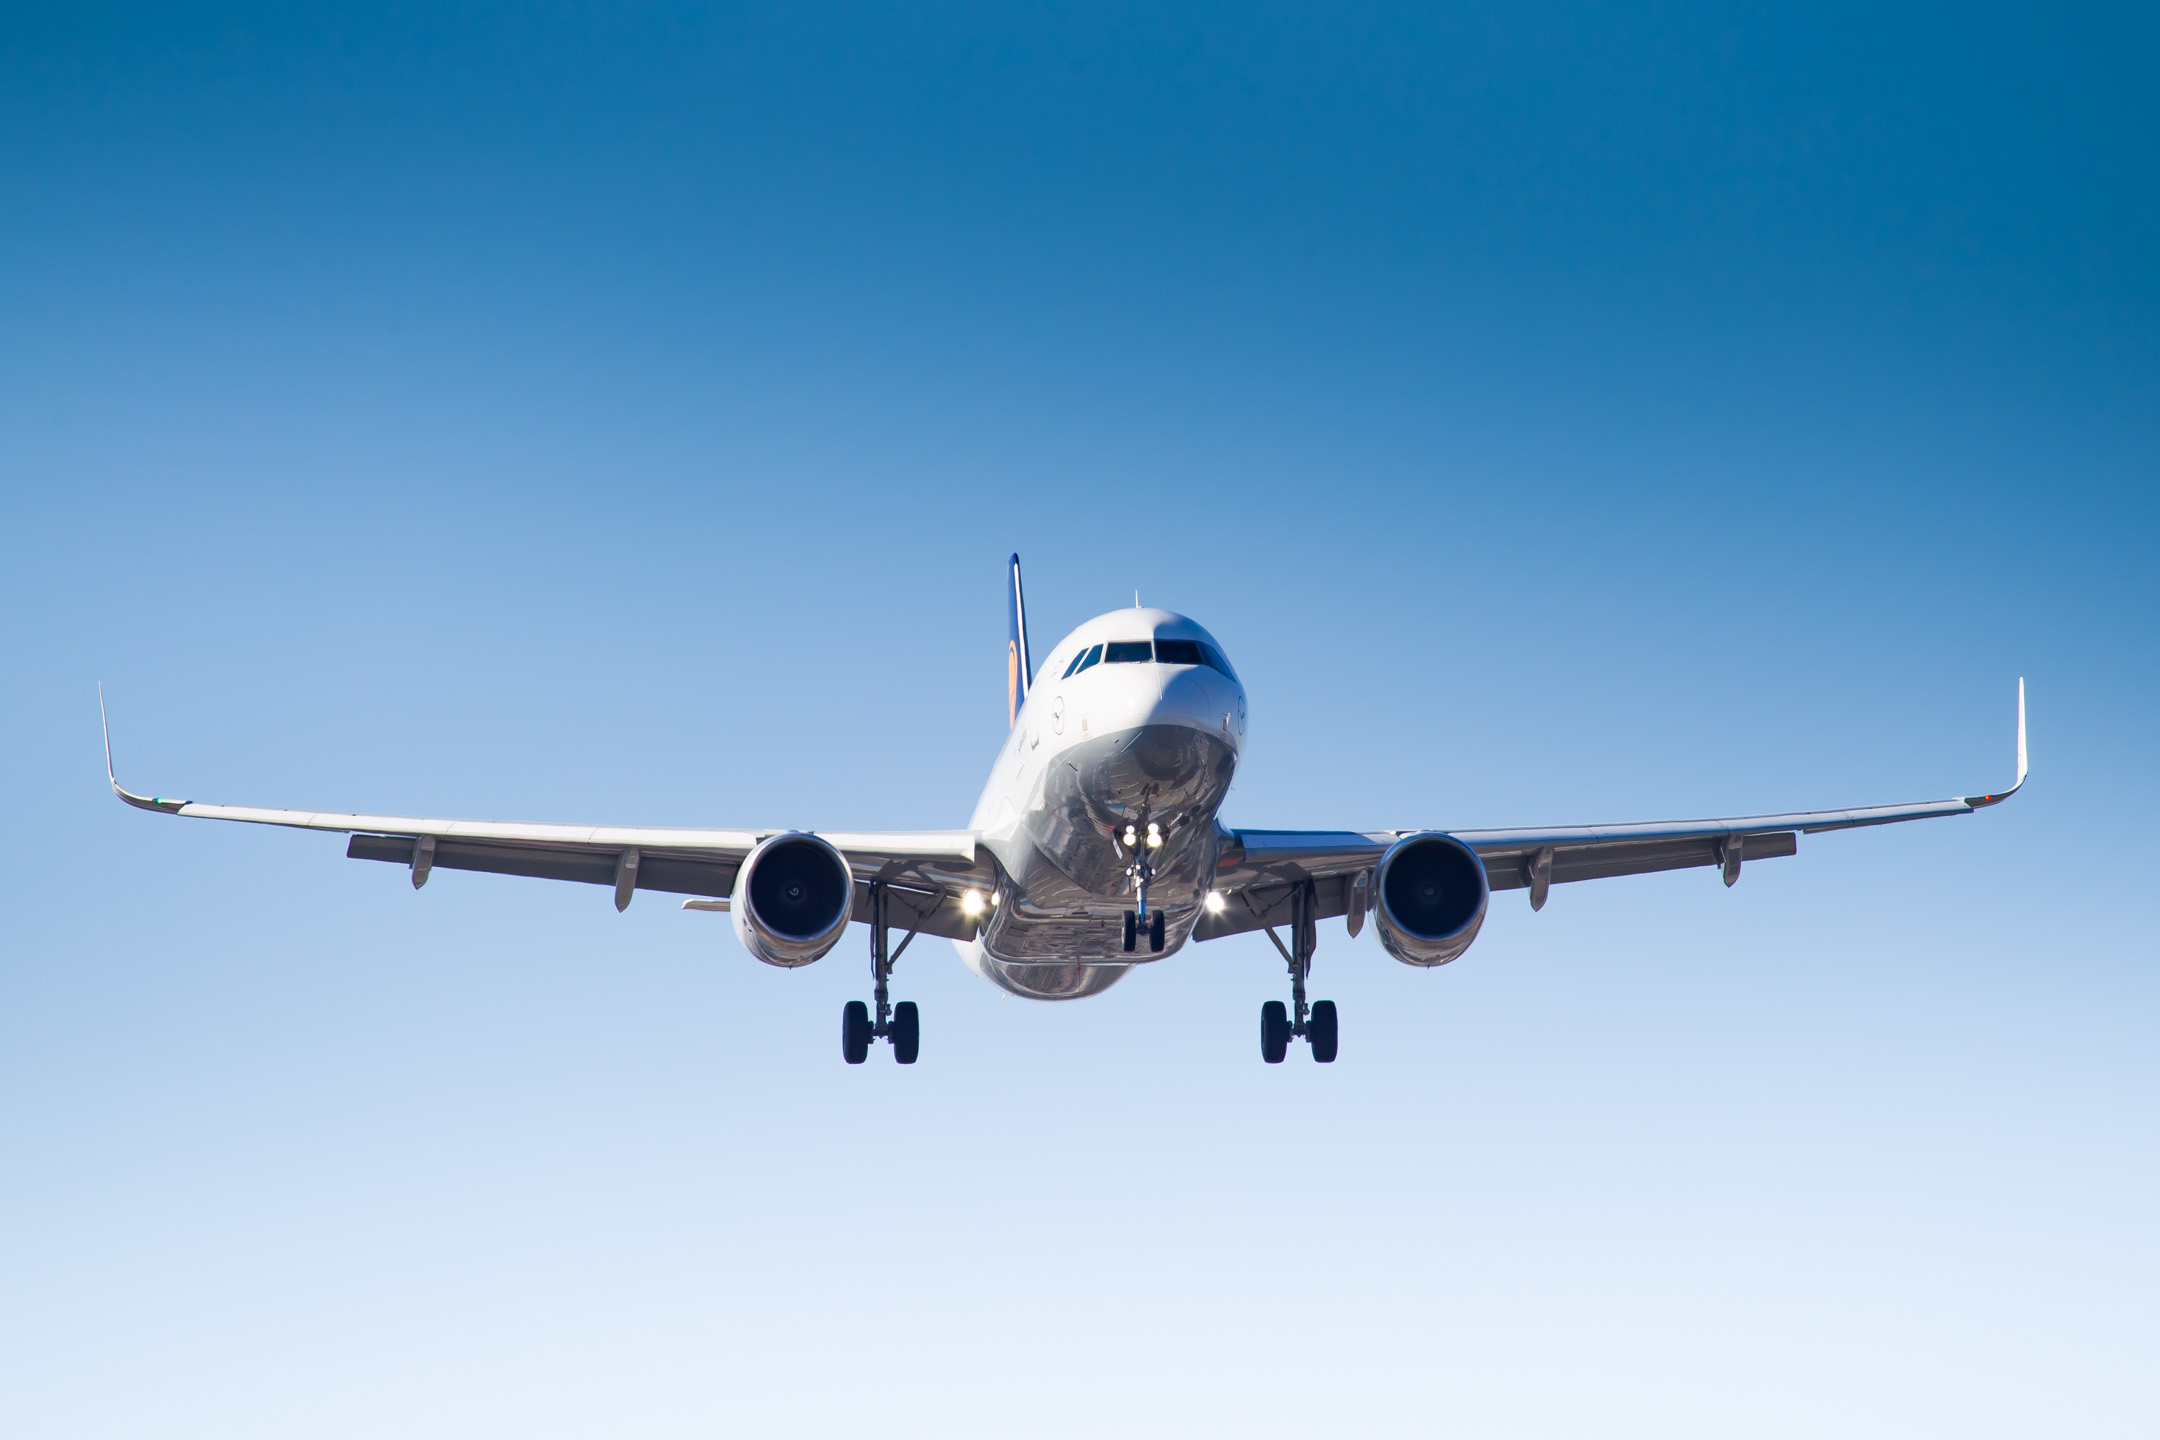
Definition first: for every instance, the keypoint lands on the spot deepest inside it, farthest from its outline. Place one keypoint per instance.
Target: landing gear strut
(901, 1023)
(1313, 1023)
(1142, 871)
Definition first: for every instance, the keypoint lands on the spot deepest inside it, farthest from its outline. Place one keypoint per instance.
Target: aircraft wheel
(1155, 932)
(906, 1032)
(1132, 932)
(1321, 1031)
(855, 1032)
(1274, 1032)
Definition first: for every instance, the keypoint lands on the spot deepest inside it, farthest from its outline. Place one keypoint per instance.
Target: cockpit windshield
(1162, 652)
(1192, 652)
(1178, 652)
(1081, 662)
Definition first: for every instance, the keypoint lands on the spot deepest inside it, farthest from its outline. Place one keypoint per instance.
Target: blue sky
(623, 413)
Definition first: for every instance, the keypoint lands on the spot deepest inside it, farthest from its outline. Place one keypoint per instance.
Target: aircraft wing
(925, 871)
(1261, 870)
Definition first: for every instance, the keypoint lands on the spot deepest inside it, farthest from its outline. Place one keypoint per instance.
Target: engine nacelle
(793, 896)
(1429, 898)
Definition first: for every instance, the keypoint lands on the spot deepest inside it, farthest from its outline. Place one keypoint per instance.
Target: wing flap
(670, 874)
(1507, 869)
(922, 911)
(906, 907)
(1262, 906)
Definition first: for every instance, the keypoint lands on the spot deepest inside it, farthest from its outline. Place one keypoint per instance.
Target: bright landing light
(971, 904)
(1215, 903)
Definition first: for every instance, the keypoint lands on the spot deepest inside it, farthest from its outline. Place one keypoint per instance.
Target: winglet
(140, 802)
(1976, 801)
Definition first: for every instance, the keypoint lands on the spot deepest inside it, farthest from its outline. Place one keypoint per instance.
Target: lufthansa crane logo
(1012, 682)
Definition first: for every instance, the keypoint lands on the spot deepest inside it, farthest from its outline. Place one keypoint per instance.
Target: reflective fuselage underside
(1067, 800)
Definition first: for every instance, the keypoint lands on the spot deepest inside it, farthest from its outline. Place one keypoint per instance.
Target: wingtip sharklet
(140, 802)
(2021, 730)
(105, 729)
(1978, 801)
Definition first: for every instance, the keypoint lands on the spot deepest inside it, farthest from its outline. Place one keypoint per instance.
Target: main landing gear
(901, 1023)
(1315, 1023)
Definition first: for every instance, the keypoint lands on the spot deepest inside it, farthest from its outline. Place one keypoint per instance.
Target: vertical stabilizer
(1019, 669)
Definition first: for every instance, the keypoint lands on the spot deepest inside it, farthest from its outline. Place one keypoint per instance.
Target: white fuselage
(1123, 742)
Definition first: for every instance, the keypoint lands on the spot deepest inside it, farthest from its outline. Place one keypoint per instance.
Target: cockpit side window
(1178, 652)
(1126, 652)
(1078, 656)
(1214, 658)
(1084, 659)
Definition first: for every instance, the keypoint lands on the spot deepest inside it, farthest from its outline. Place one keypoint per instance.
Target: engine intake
(1430, 895)
(793, 896)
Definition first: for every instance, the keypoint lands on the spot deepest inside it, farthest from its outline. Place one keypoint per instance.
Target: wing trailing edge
(1263, 866)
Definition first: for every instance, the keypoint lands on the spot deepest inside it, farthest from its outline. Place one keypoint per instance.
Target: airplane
(1095, 848)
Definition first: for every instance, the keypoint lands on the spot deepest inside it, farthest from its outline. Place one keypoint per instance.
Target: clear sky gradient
(622, 414)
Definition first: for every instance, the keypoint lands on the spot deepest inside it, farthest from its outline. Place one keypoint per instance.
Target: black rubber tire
(1155, 932)
(855, 1032)
(1321, 1031)
(906, 1032)
(1274, 1032)
(1132, 932)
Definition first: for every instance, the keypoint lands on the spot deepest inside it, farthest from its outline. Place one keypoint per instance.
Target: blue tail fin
(1019, 670)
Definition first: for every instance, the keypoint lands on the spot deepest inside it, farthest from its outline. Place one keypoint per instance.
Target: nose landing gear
(1314, 1023)
(901, 1023)
(1142, 872)
(1154, 926)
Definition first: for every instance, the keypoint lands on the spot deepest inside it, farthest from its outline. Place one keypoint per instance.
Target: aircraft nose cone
(1195, 697)
(1160, 752)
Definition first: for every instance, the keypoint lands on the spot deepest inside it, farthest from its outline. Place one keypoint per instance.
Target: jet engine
(793, 896)
(1429, 897)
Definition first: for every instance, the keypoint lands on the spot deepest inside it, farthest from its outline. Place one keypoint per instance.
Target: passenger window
(1178, 652)
(1094, 654)
(1125, 652)
(1214, 657)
